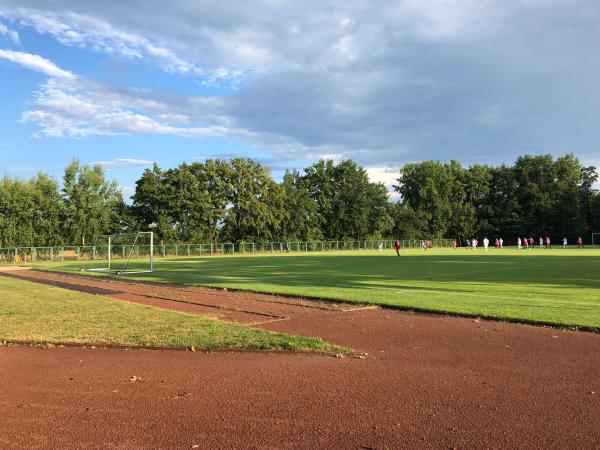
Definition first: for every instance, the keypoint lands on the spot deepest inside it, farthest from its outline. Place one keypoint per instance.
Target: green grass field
(557, 287)
(31, 312)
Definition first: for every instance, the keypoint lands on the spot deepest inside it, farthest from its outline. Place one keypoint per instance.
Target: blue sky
(128, 83)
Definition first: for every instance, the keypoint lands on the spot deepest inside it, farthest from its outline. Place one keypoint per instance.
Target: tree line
(239, 201)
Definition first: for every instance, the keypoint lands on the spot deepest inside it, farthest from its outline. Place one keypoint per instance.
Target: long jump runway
(426, 382)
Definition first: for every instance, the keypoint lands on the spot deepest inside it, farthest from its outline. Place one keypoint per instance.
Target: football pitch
(552, 287)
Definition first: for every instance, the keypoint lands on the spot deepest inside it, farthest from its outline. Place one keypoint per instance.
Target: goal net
(596, 239)
(125, 253)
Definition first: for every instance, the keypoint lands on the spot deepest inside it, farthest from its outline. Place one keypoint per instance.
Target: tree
(255, 201)
(89, 203)
(535, 178)
(588, 198)
(407, 223)
(30, 212)
(501, 207)
(348, 204)
(213, 177)
(300, 220)
(427, 187)
(152, 203)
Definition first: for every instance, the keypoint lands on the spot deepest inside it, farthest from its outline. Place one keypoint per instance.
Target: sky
(126, 84)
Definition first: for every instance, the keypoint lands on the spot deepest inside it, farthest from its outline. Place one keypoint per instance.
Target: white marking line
(360, 308)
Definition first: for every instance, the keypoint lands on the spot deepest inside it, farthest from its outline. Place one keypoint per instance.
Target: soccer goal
(596, 239)
(125, 253)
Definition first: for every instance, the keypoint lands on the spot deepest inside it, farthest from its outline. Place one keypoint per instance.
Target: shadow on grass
(378, 272)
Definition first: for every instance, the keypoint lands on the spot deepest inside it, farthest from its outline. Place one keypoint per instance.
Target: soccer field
(557, 287)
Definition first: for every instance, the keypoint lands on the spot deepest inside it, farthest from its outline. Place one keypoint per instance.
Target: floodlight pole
(109, 251)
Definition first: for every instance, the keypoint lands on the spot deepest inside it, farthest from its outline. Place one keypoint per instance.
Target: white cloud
(11, 34)
(127, 191)
(35, 62)
(79, 108)
(475, 80)
(124, 163)
(98, 35)
(386, 175)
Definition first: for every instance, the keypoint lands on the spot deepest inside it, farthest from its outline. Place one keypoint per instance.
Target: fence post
(62, 254)
(188, 249)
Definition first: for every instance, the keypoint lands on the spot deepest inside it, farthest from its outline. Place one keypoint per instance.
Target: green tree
(427, 187)
(349, 205)
(89, 202)
(407, 223)
(301, 219)
(255, 211)
(30, 212)
(152, 203)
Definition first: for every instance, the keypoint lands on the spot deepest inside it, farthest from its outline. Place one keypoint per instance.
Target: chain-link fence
(87, 253)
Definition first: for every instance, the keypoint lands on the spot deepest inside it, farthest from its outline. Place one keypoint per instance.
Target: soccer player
(454, 244)
(486, 243)
(548, 242)
(397, 247)
(519, 243)
(380, 247)
(579, 242)
(541, 242)
(501, 241)
(525, 244)
(531, 242)
(474, 243)
(468, 243)
(565, 242)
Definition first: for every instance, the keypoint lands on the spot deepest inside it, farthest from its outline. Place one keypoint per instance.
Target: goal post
(124, 253)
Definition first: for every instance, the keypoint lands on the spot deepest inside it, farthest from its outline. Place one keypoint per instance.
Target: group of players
(525, 243)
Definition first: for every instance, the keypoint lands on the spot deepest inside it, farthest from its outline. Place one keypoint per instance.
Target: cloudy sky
(381, 82)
